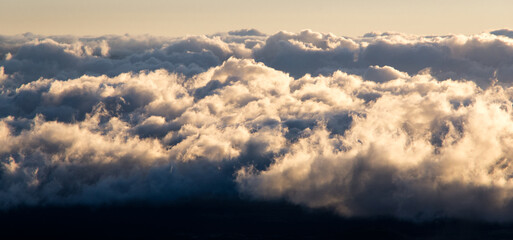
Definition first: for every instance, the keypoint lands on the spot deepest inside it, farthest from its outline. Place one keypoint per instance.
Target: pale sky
(180, 17)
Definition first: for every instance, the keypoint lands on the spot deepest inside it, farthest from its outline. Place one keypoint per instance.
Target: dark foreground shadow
(227, 219)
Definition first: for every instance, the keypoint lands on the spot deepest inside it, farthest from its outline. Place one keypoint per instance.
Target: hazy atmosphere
(393, 109)
(179, 17)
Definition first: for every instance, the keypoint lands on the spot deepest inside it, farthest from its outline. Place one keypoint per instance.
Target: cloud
(429, 150)
(387, 124)
(480, 58)
(383, 74)
(32, 57)
(246, 32)
(503, 32)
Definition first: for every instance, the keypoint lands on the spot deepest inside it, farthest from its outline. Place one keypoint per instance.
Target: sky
(194, 17)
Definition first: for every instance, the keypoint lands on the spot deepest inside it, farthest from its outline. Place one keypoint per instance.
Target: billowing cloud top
(415, 127)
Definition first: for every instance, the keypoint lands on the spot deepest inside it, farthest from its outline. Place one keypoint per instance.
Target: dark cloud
(503, 32)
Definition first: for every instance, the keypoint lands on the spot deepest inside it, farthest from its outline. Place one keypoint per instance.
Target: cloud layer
(416, 127)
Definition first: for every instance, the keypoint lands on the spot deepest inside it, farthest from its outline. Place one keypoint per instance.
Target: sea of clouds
(416, 127)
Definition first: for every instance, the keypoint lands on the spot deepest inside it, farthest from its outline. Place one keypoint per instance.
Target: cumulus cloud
(387, 124)
(480, 58)
(503, 32)
(246, 32)
(31, 57)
